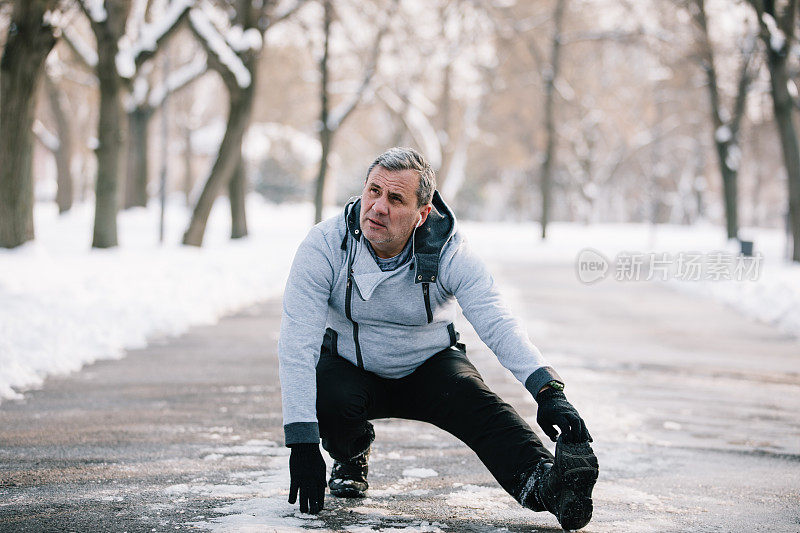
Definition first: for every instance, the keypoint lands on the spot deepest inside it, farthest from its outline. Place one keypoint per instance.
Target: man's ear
(423, 215)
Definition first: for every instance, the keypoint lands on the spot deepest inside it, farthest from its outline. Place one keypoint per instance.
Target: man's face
(389, 209)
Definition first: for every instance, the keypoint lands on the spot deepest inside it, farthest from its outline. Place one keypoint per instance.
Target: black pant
(446, 390)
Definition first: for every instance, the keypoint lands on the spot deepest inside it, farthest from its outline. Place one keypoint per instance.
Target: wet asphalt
(695, 411)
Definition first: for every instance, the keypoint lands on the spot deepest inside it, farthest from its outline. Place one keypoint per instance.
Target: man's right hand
(307, 474)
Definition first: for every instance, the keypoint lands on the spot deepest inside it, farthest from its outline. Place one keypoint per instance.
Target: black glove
(555, 410)
(307, 473)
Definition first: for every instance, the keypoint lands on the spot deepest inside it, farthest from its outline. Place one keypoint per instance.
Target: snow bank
(64, 305)
(774, 297)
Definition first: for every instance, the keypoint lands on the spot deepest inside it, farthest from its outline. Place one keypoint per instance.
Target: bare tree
(550, 74)
(63, 151)
(332, 120)
(726, 123)
(143, 105)
(115, 68)
(108, 25)
(30, 39)
(234, 56)
(778, 27)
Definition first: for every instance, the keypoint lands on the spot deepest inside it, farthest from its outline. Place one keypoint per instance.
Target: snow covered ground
(64, 305)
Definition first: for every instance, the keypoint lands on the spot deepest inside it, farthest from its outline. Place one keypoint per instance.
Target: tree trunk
(29, 42)
(319, 196)
(110, 138)
(188, 176)
(237, 192)
(729, 190)
(325, 134)
(783, 106)
(550, 129)
(230, 150)
(111, 125)
(724, 144)
(137, 157)
(63, 154)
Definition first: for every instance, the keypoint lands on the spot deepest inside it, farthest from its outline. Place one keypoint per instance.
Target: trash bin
(747, 248)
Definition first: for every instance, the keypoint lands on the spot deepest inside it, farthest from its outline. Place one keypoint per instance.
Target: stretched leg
(448, 391)
(347, 397)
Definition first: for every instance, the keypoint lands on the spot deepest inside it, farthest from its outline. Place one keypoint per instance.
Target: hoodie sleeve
(305, 312)
(464, 274)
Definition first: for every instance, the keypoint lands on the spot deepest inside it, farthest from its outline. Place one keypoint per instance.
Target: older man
(367, 332)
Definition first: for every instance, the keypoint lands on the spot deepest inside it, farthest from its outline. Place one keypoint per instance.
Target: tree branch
(340, 114)
(221, 57)
(85, 54)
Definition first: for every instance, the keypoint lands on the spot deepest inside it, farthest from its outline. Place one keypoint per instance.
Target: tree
(233, 53)
(115, 68)
(108, 25)
(726, 123)
(30, 39)
(778, 33)
(143, 104)
(331, 120)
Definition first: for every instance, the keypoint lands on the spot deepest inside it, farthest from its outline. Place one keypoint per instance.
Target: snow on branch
(417, 122)
(243, 40)
(129, 57)
(82, 50)
(48, 139)
(96, 9)
(178, 79)
(342, 111)
(218, 46)
(777, 39)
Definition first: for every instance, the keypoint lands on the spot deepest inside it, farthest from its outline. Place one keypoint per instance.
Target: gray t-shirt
(393, 262)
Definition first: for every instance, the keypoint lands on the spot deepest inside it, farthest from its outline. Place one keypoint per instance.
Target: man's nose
(380, 206)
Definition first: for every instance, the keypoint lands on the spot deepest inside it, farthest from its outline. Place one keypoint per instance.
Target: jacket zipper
(347, 298)
(426, 294)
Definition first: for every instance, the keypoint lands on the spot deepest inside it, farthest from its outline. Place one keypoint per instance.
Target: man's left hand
(555, 410)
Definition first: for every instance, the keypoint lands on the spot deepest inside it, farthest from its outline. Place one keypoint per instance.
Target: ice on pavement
(420, 472)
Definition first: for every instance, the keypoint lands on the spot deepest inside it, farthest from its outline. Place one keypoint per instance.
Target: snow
(773, 298)
(149, 36)
(244, 40)
(777, 39)
(65, 305)
(45, 136)
(218, 45)
(418, 123)
(177, 79)
(420, 472)
(96, 9)
(792, 88)
(723, 134)
(79, 46)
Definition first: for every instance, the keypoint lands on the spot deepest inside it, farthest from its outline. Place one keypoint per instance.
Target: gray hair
(401, 158)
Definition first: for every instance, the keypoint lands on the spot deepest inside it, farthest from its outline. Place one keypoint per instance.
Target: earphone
(419, 222)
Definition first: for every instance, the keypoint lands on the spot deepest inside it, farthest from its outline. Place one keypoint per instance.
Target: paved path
(695, 412)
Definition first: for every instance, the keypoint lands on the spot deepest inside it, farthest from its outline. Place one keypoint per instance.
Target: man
(367, 332)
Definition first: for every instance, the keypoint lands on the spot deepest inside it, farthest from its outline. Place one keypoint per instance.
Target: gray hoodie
(390, 322)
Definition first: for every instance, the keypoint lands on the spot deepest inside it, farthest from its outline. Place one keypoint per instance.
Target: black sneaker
(565, 487)
(349, 479)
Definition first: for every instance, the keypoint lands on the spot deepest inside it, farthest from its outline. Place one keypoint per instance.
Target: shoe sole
(579, 468)
(346, 488)
(348, 492)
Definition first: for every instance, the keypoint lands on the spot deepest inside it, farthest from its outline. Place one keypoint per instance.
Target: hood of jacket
(429, 238)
